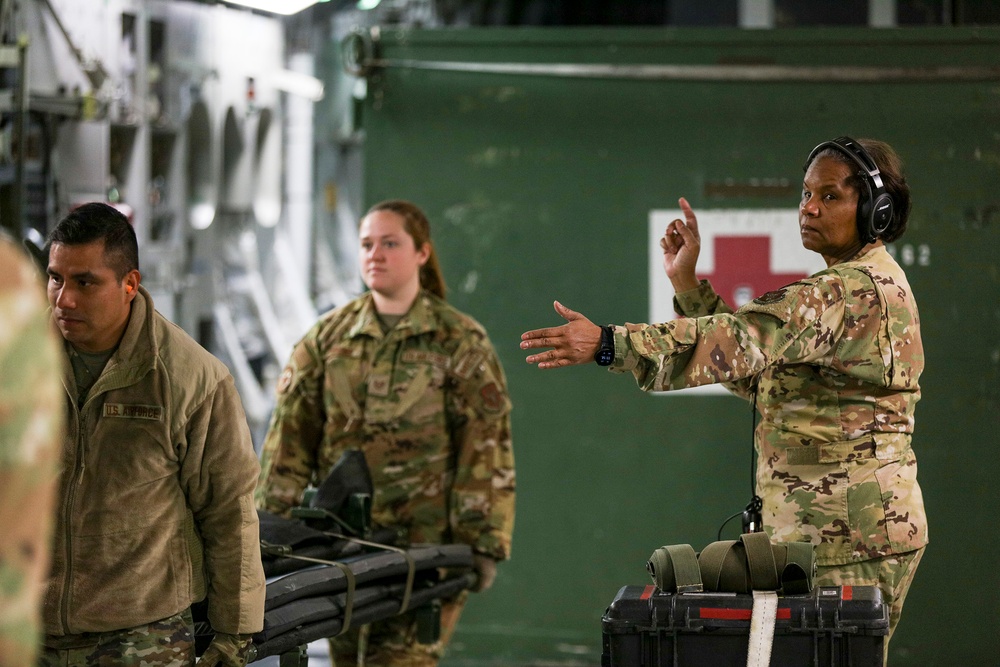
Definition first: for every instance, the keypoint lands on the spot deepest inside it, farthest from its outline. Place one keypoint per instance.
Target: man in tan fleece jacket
(155, 508)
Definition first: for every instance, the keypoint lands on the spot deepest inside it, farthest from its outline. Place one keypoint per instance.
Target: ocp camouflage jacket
(833, 362)
(427, 404)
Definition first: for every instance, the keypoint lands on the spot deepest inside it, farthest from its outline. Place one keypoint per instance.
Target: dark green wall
(539, 188)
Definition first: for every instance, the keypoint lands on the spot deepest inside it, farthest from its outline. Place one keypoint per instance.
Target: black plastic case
(832, 627)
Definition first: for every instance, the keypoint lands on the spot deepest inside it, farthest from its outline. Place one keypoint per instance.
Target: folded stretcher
(323, 581)
(353, 583)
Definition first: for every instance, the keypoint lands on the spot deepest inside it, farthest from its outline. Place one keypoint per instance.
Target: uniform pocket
(866, 510)
(139, 567)
(903, 504)
(808, 503)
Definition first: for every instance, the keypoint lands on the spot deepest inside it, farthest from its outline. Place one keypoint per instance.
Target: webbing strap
(800, 568)
(411, 564)
(675, 568)
(712, 559)
(762, 619)
(760, 559)
(363, 633)
(284, 551)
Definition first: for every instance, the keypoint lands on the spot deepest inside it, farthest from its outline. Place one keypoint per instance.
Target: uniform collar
(136, 350)
(138, 347)
(870, 256)
(419, 319)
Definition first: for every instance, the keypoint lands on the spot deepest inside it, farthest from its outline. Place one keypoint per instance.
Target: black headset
(875, 206)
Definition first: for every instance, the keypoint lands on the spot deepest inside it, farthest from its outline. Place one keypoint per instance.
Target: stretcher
(356, 582)
(329, 570)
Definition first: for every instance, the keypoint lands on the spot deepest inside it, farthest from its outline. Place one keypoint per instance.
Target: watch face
(604, 357)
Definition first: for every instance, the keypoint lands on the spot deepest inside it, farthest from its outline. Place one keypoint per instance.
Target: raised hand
(681, 246)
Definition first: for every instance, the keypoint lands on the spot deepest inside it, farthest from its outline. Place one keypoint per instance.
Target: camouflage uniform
(165, 643)
(31, 422)
(892, 574)
(834, 362)
(426, 402)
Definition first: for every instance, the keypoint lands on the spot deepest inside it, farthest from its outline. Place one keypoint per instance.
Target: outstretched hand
(681, 244)
(573, 343)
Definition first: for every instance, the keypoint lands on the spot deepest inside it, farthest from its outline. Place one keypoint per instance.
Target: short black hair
(99, 222)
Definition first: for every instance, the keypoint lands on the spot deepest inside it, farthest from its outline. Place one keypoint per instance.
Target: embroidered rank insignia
(378, 385)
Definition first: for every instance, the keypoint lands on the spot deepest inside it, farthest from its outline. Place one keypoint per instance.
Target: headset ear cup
(881, 215)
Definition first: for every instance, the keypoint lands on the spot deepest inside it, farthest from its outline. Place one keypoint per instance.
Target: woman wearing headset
(831, 361)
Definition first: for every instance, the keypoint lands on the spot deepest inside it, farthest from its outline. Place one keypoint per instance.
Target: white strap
(765, 611)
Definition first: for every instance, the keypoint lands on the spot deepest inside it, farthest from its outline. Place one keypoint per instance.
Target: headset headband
(859, 155)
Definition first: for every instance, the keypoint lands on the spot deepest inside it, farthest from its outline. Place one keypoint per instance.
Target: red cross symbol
(743, 269)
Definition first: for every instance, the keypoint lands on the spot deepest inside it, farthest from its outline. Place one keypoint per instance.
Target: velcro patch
(424, 357)
(122, 410)
(492, 397)
(468, 364)
(776, 303)
(773, 296)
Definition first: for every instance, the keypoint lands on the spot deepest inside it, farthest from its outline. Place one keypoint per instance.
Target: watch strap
(606, 351)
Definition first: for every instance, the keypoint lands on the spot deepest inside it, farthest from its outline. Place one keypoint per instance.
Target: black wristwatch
(605, 354)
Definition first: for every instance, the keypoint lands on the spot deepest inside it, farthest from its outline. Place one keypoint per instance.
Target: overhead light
(368, 4)
(202, 215)
(285, 7)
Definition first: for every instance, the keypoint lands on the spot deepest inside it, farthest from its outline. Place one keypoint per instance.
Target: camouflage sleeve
(482, 496)
(31, 428)
(702, 300)
(288, 458)
(796, 324)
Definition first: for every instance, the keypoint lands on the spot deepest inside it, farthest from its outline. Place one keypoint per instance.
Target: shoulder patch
(774, 296)
(493, 399)
(776, 303)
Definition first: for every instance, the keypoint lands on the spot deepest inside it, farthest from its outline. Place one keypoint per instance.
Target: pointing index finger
(689, 216)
